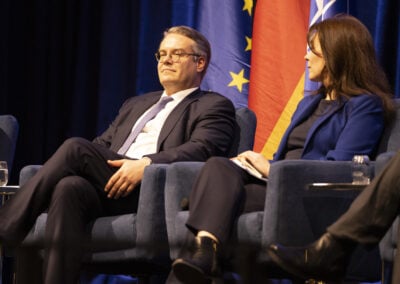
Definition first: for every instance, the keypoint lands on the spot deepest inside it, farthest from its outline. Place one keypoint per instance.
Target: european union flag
(228, 24)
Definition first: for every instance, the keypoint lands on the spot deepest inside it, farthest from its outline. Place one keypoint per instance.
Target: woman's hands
(257, 160)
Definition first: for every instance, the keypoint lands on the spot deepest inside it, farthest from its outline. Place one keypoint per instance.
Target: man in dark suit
(84, 180)
(365, 222)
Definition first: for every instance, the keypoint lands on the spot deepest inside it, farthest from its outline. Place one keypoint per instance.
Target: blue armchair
(293, 215)
(128, 234)
(139, 242)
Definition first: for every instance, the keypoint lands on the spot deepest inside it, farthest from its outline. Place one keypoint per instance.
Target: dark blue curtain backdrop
(66, 66)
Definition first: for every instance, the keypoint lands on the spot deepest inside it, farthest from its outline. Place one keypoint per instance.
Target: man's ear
(201, 64)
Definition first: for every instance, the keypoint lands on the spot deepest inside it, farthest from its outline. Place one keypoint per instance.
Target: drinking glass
(361, 169)
(3, 173)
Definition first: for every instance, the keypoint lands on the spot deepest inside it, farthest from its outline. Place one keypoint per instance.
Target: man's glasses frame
(175, 56)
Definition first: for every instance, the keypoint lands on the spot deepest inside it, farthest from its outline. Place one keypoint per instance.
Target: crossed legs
(71, 186)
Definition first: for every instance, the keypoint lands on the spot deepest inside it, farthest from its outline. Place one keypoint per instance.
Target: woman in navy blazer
(344, 117)
(350, 127)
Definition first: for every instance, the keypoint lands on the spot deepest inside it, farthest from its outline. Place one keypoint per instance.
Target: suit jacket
(202, 125)
(353, 126)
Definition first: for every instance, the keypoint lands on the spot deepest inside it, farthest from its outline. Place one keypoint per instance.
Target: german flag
(277, 67)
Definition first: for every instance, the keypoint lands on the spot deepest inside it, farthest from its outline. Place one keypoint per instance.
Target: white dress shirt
(146, 142)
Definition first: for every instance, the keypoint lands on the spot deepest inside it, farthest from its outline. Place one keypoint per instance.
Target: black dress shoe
(326, 259)
(201, 265)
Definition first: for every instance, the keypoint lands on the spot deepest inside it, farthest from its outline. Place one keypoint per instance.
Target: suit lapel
(134, 114)
(304, 114)
(175, 116)
(300, 117)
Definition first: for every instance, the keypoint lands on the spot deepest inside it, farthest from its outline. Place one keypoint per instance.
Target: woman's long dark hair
(350, 60)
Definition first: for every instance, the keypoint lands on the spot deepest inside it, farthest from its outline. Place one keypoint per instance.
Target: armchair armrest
(151, 239)
(382, 161)
(180, 177)
(27, 172)
(285, 217)
(295, 216)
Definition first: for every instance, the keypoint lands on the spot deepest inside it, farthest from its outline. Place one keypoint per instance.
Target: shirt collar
(179, 96)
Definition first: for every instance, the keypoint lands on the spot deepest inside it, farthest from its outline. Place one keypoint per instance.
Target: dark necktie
(149, 116)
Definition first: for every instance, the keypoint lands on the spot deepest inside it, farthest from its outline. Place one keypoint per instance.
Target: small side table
(6, 192)
(324, 203)
(6, 260)
(340, 186)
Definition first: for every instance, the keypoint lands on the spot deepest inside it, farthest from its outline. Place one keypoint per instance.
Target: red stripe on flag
(277, 60)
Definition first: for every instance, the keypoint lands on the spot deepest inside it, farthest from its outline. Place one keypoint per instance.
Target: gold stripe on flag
(282, 124)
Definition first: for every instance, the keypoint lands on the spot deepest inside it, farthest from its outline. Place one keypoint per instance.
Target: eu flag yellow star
(238, 80)
(248, 5)
(249, 43)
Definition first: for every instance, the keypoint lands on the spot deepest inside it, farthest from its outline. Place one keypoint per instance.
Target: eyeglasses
(175, 55)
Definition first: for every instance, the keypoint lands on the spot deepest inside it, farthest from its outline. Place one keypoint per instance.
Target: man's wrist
(148, 160)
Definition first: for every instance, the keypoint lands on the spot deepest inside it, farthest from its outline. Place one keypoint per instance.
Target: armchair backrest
(9, 128)
(247, 121)
(391, 137)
